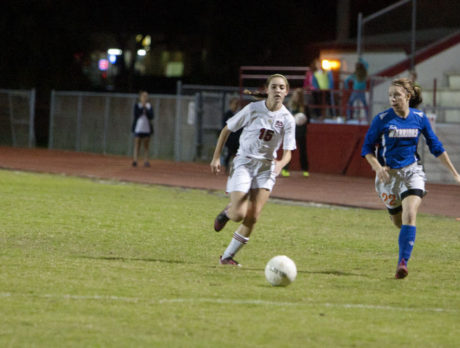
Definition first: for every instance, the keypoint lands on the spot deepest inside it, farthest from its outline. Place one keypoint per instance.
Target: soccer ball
(300, 119)
(280, 271)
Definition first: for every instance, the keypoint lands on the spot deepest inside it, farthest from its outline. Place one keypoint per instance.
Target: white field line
(229, 301)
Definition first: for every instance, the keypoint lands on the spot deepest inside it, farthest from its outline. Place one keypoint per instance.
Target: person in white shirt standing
(266, 124)
(142, 127)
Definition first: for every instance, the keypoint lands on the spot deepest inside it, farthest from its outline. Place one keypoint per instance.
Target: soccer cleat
(229, 261)
(306, 174)
(146, 164)
(401, 271)
(134, 164)
(221, 220)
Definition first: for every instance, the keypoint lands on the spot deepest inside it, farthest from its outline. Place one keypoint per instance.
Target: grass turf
(99, 263)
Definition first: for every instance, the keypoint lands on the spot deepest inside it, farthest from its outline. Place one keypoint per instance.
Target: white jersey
(264, 130)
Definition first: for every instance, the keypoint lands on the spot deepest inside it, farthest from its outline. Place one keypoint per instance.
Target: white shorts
(403, 182)
(249, 173)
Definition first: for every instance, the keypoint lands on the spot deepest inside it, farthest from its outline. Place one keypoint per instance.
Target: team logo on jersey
(279, 124)
(394, 132)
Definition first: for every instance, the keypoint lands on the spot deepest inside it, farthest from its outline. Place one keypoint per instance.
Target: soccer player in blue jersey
(390, 147)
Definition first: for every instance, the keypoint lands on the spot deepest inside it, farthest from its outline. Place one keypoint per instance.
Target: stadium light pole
(412, 56)
(363, 20)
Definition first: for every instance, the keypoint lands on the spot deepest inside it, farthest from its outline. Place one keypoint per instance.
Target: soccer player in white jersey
(390, 147)
(266, 124)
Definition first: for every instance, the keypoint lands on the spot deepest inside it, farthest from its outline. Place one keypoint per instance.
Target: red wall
(335, 149)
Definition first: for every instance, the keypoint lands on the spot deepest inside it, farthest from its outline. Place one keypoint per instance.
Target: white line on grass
(232, 302)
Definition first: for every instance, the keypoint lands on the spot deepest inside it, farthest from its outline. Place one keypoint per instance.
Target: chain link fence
(186, 124)
(17, 114)
(101, 123)
(211, 103)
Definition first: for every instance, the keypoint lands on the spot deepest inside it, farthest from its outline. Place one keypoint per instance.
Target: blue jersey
(396, 138)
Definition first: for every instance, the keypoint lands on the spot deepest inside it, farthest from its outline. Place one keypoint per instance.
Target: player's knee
(410, 217)
(251, 218)
(236, 215)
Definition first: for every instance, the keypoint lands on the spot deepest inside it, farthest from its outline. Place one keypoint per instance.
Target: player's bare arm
(382, 172)
(445, 160)
(215, 163)
(285, 159)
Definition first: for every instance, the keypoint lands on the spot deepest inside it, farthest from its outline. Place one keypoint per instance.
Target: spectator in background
(308, 87)
(359, 80)
(233, 141)
(142, 127)
(297, 106)
(321, 83)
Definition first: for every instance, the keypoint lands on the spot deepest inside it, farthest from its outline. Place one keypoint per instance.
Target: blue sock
(406, 241)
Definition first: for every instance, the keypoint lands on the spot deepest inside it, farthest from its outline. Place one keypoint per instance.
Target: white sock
(237, 242)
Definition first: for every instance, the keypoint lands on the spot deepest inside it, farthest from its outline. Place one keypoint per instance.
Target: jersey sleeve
(289, 135)
(240, 119)
(372, 137)
(434, 144)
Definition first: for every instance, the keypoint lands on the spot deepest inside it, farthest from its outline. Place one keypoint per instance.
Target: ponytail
(416, 99)
(414, 91)
(256, 94)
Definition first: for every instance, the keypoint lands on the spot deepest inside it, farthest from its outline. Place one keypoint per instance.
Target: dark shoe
(146, 164)
(401, 271)
(229, 261)
(221, 219)
(134, 164)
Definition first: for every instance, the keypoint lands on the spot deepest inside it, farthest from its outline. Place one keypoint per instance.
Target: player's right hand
(383, 175)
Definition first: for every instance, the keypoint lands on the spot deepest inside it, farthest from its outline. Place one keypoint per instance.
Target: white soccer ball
(300, 119)
(280, 271)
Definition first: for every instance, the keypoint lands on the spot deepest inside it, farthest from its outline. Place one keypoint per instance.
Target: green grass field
(107, 264)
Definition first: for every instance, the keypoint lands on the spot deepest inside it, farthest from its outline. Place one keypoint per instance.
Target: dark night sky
(39, 38)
